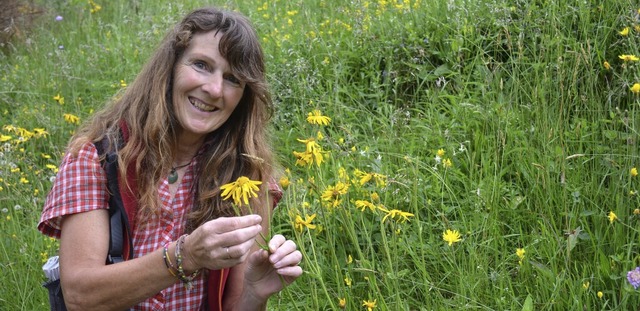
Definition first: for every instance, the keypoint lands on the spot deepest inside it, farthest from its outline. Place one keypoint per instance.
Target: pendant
(173, 176)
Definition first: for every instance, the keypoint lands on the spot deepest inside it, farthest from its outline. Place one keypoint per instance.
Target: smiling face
(205, 92)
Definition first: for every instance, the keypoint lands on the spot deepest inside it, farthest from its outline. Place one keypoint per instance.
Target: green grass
(541, 139)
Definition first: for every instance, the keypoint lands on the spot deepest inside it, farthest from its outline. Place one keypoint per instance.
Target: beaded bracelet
(186, 280)
(167, 260)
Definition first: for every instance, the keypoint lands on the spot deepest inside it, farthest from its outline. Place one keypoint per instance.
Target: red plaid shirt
(81, 186)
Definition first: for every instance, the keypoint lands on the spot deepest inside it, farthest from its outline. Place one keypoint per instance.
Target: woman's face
(205, 92)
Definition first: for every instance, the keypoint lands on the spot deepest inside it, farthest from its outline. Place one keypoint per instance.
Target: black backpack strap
(118, 221)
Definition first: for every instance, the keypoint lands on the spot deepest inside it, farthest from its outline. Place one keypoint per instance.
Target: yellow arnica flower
(316, 117)
(4, 138)
(635, 88)
(71, 119)
(333, 193)
(612, 217)
(363, 204)
(520, 253)
(342, 303)
(369, 304)
(600, 294)
(629, 58)
(300, 224)
(633, 171)
(284, 182)
(395, 214)
(240, 190)
(624, 32)
(59, 99)
(606, 65)
(440, 153)
(451, 236)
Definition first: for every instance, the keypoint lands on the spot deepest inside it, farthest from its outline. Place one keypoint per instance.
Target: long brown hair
(238, 148)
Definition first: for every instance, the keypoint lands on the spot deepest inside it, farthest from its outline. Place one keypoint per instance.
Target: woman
(192, 121)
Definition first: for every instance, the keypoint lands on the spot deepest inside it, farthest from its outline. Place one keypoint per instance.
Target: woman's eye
(232, 79)
(200, 65)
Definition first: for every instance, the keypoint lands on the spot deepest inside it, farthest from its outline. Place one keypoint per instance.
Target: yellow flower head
(585, 285)
(440, 153)
(395, 214)
(240, 190)
(284, 182)
(520, 253)
(4, 138)
(636, 211)
(363, 204)
(612, 217)
(629, 58)
(451, 237)
(600, 294)
(635, 88)
(606, 65)
(59, 99)
(71, 119)
(316, 117)
(624, 32)
(633, 171)
(369, 304)
(447, 163)
(300, 224)
(342, 303)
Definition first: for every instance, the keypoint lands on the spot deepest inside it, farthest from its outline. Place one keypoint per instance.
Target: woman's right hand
(221, 243)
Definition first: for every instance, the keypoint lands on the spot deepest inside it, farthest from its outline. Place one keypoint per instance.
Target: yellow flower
(4, 138)
(633, 171)
(301, 224)
(284, 182)
(52, 167)
(366, 177)
(585, 285)
(342, 302)
(316, 117)
(349, 259)
(362, 204)
(606, 65)
(451, 236)
(369, 304)
(123, 83)
(375, 196)
(240, 190)
(624, 32)
(333, 193)
(629, 58)
(636, 211)
(447, 163)
(612, 217)
(395, 214)
(635, 88)
(71, 119)
(600, 294)
(24, 180)
(59, 99)
(440, 153)
(520, 253)
(347, 281)
(313, 153)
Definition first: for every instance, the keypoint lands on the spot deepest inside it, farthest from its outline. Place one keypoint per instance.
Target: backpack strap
(120, 231)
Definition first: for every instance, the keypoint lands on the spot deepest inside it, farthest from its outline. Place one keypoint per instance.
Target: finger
(284, 251)
(238, 251)
(275, 242)
(292, 259)
(290, 273)
(228, 224)
(239, 236)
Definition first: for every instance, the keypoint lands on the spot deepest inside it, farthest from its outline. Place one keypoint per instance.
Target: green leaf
(528, 304)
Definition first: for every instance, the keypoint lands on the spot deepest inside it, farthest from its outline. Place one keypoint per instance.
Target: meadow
(436, 155)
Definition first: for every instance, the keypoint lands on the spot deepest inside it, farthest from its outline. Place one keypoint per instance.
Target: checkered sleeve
(80, 186)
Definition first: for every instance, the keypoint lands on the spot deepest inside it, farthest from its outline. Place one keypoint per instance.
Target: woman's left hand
(265, 269)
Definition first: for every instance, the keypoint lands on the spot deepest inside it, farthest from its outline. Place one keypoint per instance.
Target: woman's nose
(213, 85)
